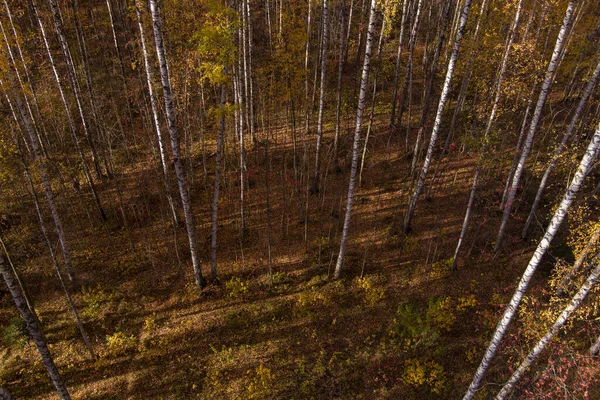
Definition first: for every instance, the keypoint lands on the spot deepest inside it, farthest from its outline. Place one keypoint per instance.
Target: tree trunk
(558, 324)
(595, 348)
(171, 121)
(538, 197)
(409, 65)
(438, 117)
(164, 158)
(41, 163)
(488, 128)
(339, 85)
(215, 203)
(560, 214)
(71, 123)
(35, 331)
(70, 302)
(356, 144)
(566, 281)
(567, 21)
(74, 83)
(325, 36)
(398, 62)
(120, 58)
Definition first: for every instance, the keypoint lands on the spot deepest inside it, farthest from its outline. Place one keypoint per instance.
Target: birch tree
(559, 216)
(398, 62)
(154, 106)
(41, 162)
(488, 128)
(175, 148)
(535, 119)
(438, 118)
(325, 36)
(356, 143)
(538, 196)
(215, 203)
(35, 331)
(573, 305)
(64, 45)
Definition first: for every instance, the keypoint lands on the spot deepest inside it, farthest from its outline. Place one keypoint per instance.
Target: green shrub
(236, 287)
(416, 330)
(118, 343)
(428, 373)
(371, 294)
(15, 334)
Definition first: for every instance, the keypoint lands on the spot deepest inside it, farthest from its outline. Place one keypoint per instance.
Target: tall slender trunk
(64, 45)
(86, 169)
(175, 148)
(356, 144)
(409, 65)
(35, 331)
(567, 21)
(163, 156)
(215, 203)
(372, 112)
(566, 280)
(398, 62)
(438, 118)
(41, 164)
(559, 216)
(325, 36)
(70, 302)
(573, 305)
(118, 52)
(28, 80)
(488, 128)
(515, 159)
(338, 106)
(538, 197)
(250, 99)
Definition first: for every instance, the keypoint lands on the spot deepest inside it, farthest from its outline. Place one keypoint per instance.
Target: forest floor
(398, 324)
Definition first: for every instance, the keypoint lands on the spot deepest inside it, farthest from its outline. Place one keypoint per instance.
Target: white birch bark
(515, 160)
(409, 65)
(488, 128)
(119, 57)
(64, 45)
(356, 144)
(86, 169)
(325, 36)
(573, 305)
(59, 274)
(538, 197)
(338, 107)
(595, 348)
(215, 203)
(250, 99)
(567, 21)
(579, 262)
(398, 62)
(559, 216)
(175, 148)
(372, 112)
(41, 165)
(27, 77)
(438, 117)
(35, 331)
(164, 159)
